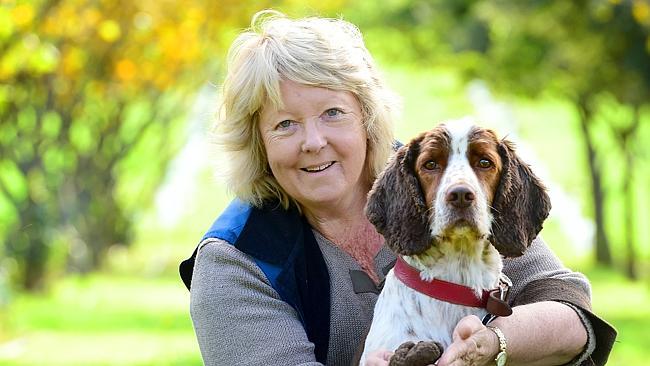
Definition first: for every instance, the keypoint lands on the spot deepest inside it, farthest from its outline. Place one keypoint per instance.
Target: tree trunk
(626, 139)
(630, 264)
(29, 241)
(603, 254)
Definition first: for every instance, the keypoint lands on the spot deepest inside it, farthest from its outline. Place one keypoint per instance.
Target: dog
(450, 204)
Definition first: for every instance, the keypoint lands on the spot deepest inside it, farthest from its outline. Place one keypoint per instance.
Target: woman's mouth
(318, 168)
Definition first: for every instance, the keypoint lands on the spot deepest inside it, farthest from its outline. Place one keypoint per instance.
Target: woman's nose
(314, 139)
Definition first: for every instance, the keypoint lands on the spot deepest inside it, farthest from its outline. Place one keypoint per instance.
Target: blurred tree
(581, 50)
(92, 97)
(559, 46)
(628, 39)
(584, 51)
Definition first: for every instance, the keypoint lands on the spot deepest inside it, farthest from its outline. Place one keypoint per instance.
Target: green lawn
(625, 305)
(101, 320)
(118, 320)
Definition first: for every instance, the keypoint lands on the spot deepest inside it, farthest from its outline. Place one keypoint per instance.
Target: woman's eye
(333, 112)
(284, 124)
(484, 163)
(430, 165)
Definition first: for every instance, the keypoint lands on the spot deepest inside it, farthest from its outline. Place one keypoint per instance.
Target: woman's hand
(472, 344)
(379, 357)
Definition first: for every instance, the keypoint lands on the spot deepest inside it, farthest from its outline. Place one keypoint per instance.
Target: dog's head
(457, 179)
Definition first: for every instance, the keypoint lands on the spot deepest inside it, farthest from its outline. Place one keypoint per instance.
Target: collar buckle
(504, 286)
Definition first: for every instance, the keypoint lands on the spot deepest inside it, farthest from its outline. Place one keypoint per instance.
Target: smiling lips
(319, 168)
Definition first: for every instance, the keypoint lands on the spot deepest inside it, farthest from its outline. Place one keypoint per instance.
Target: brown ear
(396, 204)
(520, 205)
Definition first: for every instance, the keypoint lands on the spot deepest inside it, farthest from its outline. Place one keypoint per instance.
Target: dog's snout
(460, 196)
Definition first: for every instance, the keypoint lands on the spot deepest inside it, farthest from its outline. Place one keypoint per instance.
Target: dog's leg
(416, 354)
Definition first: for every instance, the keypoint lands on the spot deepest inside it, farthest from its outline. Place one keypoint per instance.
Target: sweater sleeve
(539, 275)
(539, 262)
(238, 317)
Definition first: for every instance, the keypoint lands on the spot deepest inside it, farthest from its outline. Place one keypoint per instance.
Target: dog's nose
(460, 196)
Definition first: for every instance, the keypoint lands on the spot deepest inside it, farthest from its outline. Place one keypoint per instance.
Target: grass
(106, 319)
(623, 304)
(102, 320)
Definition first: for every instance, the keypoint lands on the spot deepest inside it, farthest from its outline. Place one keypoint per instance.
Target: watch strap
(502, 356)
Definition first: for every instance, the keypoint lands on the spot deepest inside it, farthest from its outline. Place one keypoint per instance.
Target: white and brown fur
(453, 222)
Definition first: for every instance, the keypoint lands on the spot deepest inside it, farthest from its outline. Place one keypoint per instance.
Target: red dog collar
(491, 300)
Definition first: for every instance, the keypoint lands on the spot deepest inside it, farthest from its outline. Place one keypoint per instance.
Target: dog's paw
(416, 354)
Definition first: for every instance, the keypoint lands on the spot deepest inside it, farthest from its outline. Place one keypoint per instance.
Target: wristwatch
(502, 356)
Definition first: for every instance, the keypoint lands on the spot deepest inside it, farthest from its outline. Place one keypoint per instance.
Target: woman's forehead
(297, 96)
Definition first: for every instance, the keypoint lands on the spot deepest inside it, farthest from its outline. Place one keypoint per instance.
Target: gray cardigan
(240, 319)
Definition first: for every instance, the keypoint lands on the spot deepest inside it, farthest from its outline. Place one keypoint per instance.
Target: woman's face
(316, 145)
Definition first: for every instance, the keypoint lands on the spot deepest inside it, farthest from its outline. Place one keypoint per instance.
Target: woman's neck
(349, 229)
(338, 220)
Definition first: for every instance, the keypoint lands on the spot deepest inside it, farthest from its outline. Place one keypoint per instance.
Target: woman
(288, 274)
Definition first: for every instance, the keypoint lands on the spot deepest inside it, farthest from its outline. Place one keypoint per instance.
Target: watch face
(501, 358)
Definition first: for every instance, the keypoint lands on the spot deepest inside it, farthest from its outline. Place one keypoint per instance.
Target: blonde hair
(321, 52)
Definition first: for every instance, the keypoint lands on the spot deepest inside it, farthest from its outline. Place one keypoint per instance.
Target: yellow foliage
(162, 80)
(96, 88)
(22, 15)
(142, 21)
(127, 45)
(109, 31)
(7, 69)
(641, 12)
(195, 16)
(73, 61)
(91, 17)
(63, 22)
(313, 7)
(125, 70)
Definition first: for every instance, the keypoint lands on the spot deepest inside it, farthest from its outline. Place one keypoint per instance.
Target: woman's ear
(520, 205)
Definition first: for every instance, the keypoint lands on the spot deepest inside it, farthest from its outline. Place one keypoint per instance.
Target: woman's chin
(324, 197)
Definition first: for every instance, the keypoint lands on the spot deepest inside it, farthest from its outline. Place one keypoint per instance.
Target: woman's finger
(379, 357)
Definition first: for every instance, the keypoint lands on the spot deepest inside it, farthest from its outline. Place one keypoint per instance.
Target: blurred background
(106, 178)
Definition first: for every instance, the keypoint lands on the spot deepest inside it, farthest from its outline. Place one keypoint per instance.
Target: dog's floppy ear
(396, 204)
(520, 205)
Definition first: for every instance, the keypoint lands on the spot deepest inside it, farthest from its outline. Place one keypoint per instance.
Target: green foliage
(93, 100)
(92, 97)
(594, 54)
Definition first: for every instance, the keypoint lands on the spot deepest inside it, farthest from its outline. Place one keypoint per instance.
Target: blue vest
(283, 246)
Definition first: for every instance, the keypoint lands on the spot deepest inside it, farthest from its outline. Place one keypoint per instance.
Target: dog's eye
(484, 163)
(430, 165)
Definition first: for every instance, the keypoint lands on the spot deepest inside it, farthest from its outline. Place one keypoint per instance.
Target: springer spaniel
(450, 204)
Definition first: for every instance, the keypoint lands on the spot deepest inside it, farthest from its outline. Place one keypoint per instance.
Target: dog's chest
(403, 314)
